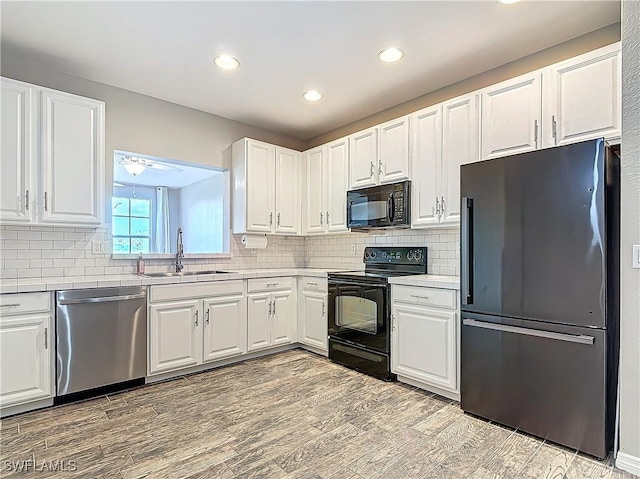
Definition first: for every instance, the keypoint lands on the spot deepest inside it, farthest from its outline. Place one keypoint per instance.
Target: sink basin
(183, 273)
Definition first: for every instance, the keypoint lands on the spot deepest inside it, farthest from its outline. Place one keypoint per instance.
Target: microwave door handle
(390, 208)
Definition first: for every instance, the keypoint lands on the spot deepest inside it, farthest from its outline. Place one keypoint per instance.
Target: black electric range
(360, 308)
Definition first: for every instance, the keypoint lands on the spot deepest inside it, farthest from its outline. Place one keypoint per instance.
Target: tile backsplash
(41, 251)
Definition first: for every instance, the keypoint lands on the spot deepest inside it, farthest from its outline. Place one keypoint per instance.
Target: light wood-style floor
(290, 415)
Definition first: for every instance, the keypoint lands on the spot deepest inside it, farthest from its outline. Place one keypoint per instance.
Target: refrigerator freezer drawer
(547, 382)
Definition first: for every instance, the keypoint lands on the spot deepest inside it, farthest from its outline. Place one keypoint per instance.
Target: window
(131, 227)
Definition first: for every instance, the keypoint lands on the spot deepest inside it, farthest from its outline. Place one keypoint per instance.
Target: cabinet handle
(393, 322)
(372, 170)
(278, 219)
(553, 130)
(45, 201)
(419, 297)
(312, 284)
(270, 218)
(437, 206)
(321, 223)
(380, 167)
(207, 316)
(274, 307)
(26, 200)
(196, 317)
(13, 305)
(46, 338)
(323, 308)
(270, 308)
(442, 204)
(535, 132)
(272, 285)
(327, 218)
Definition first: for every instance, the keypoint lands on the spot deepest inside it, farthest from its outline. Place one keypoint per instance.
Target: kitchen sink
(182, 273)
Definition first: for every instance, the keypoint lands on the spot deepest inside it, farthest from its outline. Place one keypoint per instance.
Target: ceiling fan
(135, 165)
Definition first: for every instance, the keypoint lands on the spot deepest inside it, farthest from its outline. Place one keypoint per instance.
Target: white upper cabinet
(52, 157)
(314, 191)
(336, 185)
(363, 158)
(582, 98)
(72, 159)
(287, 191)
(393, 160)
(266, 183)
(15, 161)
(511, 118)
(426, 166)
(459, 147)
(326, 181)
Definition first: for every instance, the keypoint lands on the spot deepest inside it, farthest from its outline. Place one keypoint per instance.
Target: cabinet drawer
(21, 303)
(268, 284)
(173, 292)
(436, 297)
(309, 283)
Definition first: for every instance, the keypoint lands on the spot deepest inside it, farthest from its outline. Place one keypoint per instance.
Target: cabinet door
(72, 153)
(459, 146)
(426, 159)
(393, 162)
(287, 208)
(511, 117)
(175, 338)
(259, 309)
(314, 190)
(283, 318)
(25, 359)
(225, 327)
(314, 320)
(363, 158)
(336, 185)
(583, 98)
(15, 125)
(260, 186)
(425, 345)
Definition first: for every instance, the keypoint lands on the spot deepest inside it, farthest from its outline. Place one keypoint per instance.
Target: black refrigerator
(540, 292)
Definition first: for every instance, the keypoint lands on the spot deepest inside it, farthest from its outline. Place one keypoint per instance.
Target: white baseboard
(628, 463)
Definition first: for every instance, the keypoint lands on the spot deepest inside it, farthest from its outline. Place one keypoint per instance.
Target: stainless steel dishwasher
(101, 337)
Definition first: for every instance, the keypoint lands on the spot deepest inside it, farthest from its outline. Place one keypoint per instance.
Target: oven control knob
(410, 255)
(373, 254)
(418, 255)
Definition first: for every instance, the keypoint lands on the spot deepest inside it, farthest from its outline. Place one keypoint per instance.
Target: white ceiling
(165, 50)
(178, 174)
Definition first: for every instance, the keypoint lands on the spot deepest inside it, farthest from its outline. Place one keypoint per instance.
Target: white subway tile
(52, 272)
(29, 235)
(8, 235)
(16, 263)
(40, 244)
(52, 235)
(30, 253)
(15, 244)
(63, 244)
(29, 273)
(9, 253)
(41, 263)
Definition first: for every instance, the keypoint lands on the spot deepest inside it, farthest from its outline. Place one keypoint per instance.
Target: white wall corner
(628, 463)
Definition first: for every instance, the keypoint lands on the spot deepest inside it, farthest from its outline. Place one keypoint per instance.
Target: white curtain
(163, 233)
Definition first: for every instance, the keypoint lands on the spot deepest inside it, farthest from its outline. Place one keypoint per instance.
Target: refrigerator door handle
(571, 338)
(466, 238)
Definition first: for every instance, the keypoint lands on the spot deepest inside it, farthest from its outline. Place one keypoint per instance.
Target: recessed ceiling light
(312, 95)
(226, 61)
(507, 2)
(390, 54)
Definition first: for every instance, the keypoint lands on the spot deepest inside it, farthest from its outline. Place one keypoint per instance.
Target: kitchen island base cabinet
(27, 344)
(271, 319)
(194, 324)
(424, 349)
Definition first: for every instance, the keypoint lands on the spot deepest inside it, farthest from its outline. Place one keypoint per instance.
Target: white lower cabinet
(312, 313)
(26, 351)
(192, 324)
(271, 313)
(425, 338)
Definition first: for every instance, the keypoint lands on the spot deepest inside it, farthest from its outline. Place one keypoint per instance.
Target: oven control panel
(395, 255)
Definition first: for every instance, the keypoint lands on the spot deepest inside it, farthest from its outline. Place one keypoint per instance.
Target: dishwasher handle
(102, 299)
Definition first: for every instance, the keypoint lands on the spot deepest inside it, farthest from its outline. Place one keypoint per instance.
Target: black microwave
(382, 206)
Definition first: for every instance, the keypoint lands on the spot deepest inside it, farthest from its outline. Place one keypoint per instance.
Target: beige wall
(577, 46)
(630, 232)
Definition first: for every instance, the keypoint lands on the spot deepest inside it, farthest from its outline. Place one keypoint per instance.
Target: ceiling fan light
(134, 168)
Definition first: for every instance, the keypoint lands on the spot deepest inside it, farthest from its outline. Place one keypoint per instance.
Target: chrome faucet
(179, 251)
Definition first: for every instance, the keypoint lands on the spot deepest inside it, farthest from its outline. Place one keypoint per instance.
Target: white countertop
(113, 280)
(427, 280)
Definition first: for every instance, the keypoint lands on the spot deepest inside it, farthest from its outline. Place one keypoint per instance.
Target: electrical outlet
(98, 247)
(353, 248)
(636, 256)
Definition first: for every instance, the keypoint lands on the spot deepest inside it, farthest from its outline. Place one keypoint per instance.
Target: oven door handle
(351, 282)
